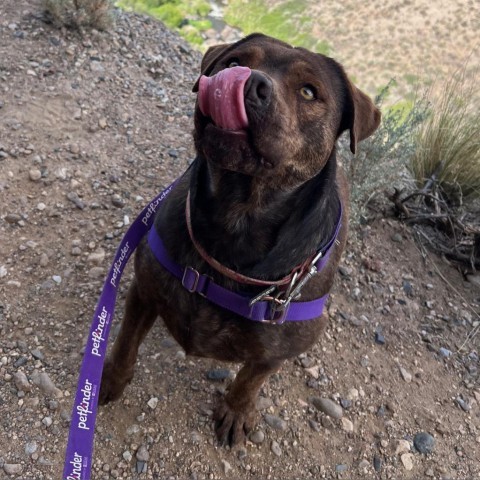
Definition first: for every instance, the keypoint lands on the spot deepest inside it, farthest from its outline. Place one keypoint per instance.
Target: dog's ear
(209, 60)
(360, 115)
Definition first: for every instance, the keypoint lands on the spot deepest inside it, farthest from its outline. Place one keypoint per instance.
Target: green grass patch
(286, 21)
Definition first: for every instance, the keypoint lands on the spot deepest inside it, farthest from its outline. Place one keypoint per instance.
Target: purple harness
(273, 305)
(277, 309)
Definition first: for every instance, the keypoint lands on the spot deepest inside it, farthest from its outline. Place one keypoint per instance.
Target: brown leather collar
(229, 273)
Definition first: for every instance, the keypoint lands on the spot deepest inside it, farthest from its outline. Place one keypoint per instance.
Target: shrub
(448, 143)
(382, 159)
(80, 13)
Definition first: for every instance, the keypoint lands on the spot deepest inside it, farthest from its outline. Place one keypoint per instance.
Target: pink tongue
(221, 97)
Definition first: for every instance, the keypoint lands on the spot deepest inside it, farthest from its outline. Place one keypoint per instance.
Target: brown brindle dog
(265, 193)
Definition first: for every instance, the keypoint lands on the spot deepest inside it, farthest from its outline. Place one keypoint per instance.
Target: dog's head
(277, 111)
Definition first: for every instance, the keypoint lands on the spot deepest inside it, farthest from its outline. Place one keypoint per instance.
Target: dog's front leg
(118, 371)
(235, 415)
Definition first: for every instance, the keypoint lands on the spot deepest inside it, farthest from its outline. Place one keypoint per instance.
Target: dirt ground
(90, 129)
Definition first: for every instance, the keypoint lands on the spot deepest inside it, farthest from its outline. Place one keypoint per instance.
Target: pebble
(37, 354)
(226, 467)
(407, 461)
(219, 374)
(445, 353)
(35, 175)
(142, 454)
(347, 425)
(75, 199)
(275, 448)
(364, 464)
(407, 376)
(12, 218)
(465, 406)
(275, 422)
(257, 437)
(12, 468)
(3, 271)
(96, 272)
(102, 123)
(353, 394)
(402, 446)
(21, 382)
(31, 447)
(57, 279)
(127, 456)
(47, 421)
(315, 426)
(44, 382)
(328, 407)
(97, 257)
(341, 468)
(117, 201)
(424, 442)
(396, 237)
(377, 463)
(152, 403)
(379, 338)
(345, 403)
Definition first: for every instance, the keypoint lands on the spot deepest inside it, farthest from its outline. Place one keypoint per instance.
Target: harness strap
(260, 311)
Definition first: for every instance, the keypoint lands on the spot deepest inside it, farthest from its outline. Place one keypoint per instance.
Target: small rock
(424, 442)
(127, 456)
(257, 437)
(445, 353)
(37, 354)
(31, 447)
(57, 279)
(407, 461)
(396, 237)
(96, 272)
(364, 464)
(21, 381)
(47, 421)
(315, 426)
(275, 448)
(141, 467)
(152, 403)
(75, 199)
(12, 468)
(402, 446)
(226, 467)
(275, 422)
(35, 175)
(117, 201)
(379, 338)
(345, 403)
(3, 271)
(352, 394)
(12, 218)
(97, 257)
(377, 463)
(407, 376)
(219, 374)
(328, 407)
(464, 405)
(347, 425)
(341, 468)
(102, 123)
(43, 381)
(142, 454)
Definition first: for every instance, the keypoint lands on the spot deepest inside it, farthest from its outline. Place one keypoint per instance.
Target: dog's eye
(308, 92)
(234, 62)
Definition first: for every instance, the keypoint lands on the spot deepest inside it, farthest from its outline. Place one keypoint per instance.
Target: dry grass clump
(78, 14)
(447, 152)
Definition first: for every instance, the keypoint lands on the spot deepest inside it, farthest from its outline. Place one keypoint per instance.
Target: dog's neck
(260, 231)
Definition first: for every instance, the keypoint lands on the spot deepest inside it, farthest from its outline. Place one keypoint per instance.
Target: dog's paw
(112, 385)
(232, 427)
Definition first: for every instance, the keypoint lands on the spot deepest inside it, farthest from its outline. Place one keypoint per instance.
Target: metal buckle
(280, 300)
(195, 283)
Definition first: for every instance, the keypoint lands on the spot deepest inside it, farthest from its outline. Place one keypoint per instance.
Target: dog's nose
(258, 90)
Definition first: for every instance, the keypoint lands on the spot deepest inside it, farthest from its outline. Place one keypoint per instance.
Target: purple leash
(268, 307)
(78, 456)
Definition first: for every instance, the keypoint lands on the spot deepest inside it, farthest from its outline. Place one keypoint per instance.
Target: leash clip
(279, 300)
